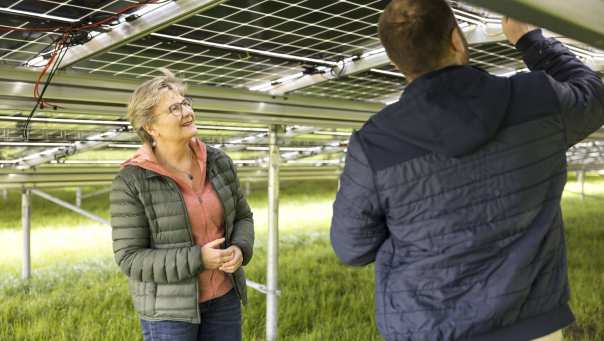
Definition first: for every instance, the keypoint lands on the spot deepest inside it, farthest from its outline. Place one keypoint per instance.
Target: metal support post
(4, 196)
(248, 189)
(581, 179)
(26, 224)
(273, 235)
(78, 193)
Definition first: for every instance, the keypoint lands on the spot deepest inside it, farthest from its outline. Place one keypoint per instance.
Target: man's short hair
(417, 34)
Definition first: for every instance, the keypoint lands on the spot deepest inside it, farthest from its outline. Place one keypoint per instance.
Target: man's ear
(457, 41)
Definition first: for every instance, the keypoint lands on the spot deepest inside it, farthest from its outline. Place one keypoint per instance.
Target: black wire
(38, 102)
(51, 74)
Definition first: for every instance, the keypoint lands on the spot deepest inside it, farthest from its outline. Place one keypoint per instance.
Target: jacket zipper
(227, 242)
(190, 229)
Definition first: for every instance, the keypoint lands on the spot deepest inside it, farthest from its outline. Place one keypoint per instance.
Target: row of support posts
(272, 286)
(26, 221)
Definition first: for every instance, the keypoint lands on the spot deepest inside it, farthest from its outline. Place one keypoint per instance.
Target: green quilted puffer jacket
(153, 243)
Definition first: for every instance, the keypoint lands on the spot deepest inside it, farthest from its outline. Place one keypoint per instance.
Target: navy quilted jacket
(454, 192)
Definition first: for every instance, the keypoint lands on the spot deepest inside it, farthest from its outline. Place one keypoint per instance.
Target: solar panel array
(235, 44)
(303, 34)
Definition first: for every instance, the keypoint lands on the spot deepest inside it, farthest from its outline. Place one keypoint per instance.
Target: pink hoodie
(205, 210)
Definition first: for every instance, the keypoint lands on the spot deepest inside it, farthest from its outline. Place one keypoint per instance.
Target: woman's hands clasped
(235, 262)
(227, 260)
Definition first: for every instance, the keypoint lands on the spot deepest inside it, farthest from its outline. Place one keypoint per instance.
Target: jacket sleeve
(132, 243)
(243, 227)
(358, 228)
(579, 90)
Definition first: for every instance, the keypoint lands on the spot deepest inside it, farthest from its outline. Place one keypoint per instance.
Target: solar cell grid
(496, 57)
(315, 29)
(70, 9)
(367, 87)
(197, 64)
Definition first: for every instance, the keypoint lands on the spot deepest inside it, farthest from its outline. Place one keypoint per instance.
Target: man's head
(422, 36)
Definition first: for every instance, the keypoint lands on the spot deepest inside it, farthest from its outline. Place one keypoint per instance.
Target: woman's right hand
(212, 256)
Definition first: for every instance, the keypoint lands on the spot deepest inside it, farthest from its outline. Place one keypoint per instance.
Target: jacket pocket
(150, 289)
(177, 300)
(143, 296)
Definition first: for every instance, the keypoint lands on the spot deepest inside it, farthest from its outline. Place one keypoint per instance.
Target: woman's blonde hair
(146, 96)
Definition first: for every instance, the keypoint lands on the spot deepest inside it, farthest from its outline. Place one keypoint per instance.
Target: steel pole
(273, 235)
(26, 224)
(78, 193)
(581, 178)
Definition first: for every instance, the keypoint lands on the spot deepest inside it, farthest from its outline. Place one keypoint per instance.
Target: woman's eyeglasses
(178, 109)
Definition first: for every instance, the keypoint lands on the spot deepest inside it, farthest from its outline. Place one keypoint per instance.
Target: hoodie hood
(145, 158)
(452, 111)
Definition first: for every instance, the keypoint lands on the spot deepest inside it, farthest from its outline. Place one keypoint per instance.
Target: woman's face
(174, 119)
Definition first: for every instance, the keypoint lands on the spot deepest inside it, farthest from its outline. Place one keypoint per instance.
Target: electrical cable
(61, 52)
(60, 47)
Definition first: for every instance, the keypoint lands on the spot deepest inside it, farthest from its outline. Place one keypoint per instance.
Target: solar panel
(369, 86)
(228, 44)
(296, 30)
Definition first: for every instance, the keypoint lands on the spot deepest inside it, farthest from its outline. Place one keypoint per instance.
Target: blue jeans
(220, 321)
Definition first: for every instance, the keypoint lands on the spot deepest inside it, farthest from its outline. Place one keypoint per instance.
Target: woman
(181, 227)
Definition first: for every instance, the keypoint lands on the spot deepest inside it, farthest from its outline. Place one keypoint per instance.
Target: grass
(585, 247)
(77, 292)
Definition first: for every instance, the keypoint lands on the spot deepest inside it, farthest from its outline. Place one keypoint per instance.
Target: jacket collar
(452, 111)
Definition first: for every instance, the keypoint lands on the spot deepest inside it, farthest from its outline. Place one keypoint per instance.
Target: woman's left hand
(235, 262)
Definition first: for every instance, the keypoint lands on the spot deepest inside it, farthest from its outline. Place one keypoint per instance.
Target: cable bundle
(71, 35)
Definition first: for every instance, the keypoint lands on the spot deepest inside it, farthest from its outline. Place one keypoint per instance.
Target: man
(454, 191)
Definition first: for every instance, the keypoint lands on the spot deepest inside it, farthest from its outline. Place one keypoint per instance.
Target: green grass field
(77, 292)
